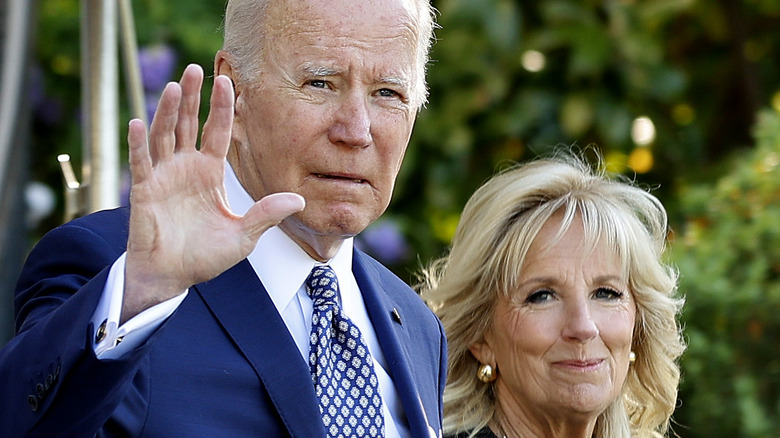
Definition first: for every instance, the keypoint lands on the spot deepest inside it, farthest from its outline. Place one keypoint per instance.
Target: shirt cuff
(112, 340)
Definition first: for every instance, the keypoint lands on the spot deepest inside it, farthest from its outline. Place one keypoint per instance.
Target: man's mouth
(341, 177)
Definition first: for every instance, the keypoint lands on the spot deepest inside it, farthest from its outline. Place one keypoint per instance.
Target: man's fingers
(218, 127)
(269, 211)
(162, 136)
(187, 125)
(140, 160)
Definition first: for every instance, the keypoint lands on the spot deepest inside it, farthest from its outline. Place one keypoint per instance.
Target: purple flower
(150, 102)
(384, 241)
(47, 109)
(125, 181)
(36, 92)
(157, 63)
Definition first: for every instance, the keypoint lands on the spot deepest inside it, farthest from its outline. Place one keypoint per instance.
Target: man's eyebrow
(395, 80)
(319, 70)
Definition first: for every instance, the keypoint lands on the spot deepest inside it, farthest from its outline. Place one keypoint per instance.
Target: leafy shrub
(729, 259)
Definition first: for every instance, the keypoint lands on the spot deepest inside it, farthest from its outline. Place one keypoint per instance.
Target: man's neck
(319, 247)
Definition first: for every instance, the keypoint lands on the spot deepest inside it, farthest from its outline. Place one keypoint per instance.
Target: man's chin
(342, 220)
(323, 233)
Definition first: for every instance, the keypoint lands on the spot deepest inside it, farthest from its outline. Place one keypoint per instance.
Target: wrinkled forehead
(342, 17)
(377, 36)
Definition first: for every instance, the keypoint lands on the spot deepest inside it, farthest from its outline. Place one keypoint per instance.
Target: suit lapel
(394, 340)
(240, 303)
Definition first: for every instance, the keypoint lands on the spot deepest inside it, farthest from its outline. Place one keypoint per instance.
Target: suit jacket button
(32, 401)
(40, 390)
(49, 381)
(101, 332)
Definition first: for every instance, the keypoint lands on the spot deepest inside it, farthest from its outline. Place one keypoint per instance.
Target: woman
(561, 317)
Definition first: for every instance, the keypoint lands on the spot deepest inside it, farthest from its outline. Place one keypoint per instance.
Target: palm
(179, 219)
(181, 229)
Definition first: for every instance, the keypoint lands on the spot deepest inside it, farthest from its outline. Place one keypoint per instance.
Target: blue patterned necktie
(341, 366)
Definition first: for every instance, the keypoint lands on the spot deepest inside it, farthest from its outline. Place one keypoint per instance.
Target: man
(185, 315)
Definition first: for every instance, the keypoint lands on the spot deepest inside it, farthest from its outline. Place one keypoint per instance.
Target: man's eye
(386, 92)
(539, 296)
(607, 293)
(318, 83)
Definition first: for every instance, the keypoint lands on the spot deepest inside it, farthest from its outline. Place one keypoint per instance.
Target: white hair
(245, 31)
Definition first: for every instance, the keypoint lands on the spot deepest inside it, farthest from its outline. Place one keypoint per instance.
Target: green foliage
(602, 65)
(728, 254)
(698, 70)
(192, 28)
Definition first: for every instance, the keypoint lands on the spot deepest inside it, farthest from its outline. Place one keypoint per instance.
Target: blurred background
(682, 96)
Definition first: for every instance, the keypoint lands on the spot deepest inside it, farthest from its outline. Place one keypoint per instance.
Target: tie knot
(322, 285)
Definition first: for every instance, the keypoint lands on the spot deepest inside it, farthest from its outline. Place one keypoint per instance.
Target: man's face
(331, 114)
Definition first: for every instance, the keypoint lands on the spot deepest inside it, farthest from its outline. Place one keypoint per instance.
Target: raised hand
(182, 231)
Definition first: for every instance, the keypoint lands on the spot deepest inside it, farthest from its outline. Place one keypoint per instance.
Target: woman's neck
(538, 424)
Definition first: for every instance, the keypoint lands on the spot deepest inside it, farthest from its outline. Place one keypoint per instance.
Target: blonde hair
(498, 225)
(245, 32)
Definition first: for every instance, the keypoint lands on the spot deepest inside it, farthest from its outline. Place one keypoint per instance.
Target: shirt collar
(278, 261)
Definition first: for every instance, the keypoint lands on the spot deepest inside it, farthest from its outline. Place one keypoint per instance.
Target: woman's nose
(579, 324)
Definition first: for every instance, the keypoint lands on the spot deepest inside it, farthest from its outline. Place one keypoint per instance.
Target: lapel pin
(397, 316)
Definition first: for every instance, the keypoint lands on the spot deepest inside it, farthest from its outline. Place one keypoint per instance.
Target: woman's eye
(607, 293)
(539, 296)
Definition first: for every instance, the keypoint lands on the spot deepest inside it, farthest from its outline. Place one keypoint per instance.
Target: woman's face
(561, 341)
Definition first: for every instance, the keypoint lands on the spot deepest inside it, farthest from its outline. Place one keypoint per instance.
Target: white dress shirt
(283, 267)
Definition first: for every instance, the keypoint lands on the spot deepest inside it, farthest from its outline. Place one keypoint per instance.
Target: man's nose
(580, 325)
(352, 122)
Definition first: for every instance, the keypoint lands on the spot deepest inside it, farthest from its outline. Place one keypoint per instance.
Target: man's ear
(223, 65)
(482, 351)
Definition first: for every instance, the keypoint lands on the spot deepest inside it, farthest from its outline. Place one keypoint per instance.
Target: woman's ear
(483, 353)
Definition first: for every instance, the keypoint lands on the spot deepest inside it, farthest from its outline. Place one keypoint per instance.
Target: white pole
(12, 72)
(100, 100)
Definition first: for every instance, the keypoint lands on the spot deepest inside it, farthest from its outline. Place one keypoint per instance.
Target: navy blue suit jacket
(223, 365)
